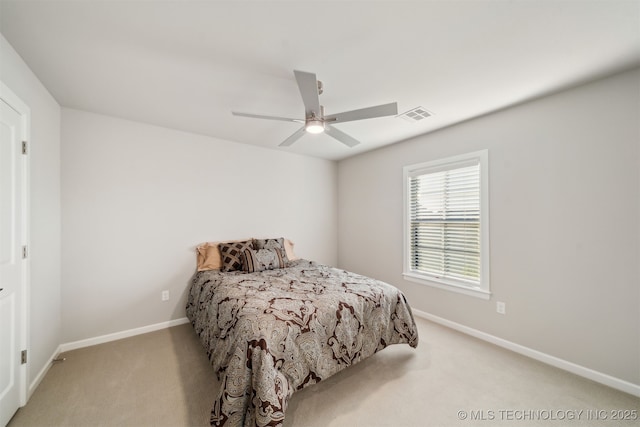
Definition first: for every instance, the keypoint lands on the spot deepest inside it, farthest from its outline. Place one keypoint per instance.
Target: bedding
(272, 332)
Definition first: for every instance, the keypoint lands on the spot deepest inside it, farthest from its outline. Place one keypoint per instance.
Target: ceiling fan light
(314, 126)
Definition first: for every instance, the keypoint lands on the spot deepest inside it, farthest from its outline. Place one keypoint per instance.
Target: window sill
(446, 285)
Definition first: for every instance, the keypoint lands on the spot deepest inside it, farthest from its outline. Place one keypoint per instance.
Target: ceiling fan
(315, 121)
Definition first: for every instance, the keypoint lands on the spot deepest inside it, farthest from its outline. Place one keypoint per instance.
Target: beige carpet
(164, 379)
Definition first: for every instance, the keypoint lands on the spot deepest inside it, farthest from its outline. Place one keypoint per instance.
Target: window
(446, 227)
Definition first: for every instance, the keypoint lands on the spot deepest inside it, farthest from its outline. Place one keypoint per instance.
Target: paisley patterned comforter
(270, 333)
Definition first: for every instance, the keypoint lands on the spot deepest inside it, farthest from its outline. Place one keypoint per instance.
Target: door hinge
(24, 147)
(23, 357)
(24, 252)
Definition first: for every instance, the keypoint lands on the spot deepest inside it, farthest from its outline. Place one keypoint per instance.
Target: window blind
(444, 215)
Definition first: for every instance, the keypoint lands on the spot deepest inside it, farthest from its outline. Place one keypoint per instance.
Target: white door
(12, 266)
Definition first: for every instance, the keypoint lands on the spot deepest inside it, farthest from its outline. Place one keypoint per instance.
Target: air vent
(415, 114)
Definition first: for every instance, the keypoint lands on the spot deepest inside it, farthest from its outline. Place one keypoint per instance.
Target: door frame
(8, 96)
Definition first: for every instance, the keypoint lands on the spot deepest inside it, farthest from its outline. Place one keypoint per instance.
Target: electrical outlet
(501, 307)
(165, 295)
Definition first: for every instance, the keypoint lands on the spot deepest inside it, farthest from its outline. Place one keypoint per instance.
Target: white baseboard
(120, 335)
(36, 381)
(608, 380)
(582, 371)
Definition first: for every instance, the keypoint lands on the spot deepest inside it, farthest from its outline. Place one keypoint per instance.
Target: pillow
(272, 244)
(209, 256)
(288, 248)
(262, 259)
(231, 254)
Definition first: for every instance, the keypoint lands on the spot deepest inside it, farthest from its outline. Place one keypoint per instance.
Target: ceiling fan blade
(340, 136)
(308, 85)
(390, 109)
(259, 116)
(293, 138)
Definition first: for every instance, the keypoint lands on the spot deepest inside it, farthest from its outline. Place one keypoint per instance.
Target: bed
(269, 333)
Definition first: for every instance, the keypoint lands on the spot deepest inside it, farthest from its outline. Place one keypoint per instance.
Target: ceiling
(187, 64)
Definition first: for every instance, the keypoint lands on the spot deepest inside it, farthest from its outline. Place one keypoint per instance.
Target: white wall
(137, 199)
(564, 210)
(44, 309)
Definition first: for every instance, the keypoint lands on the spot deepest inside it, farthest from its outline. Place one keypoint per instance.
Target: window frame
(483, 289)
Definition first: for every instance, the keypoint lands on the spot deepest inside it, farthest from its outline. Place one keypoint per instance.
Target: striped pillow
(272, 244)
(262, 259)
